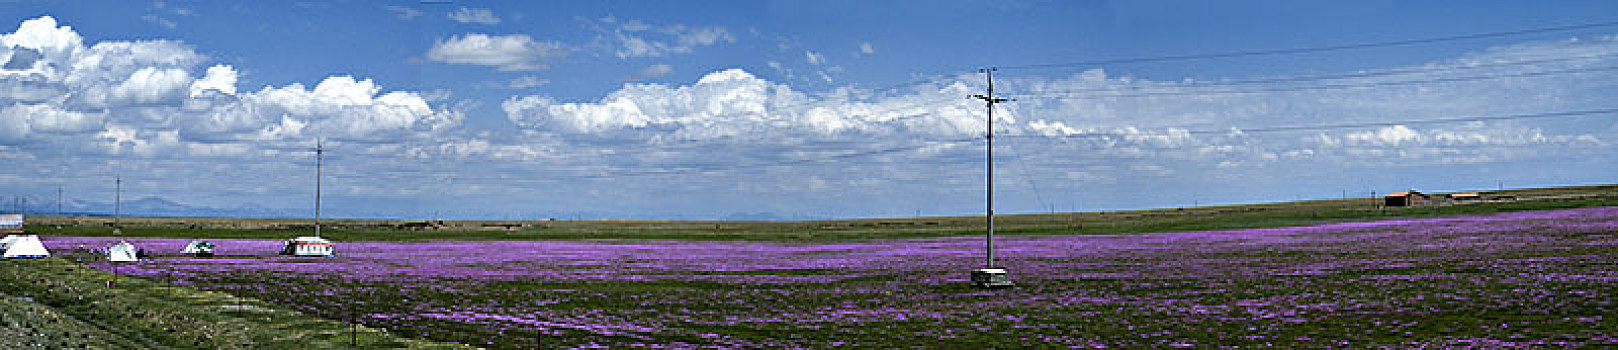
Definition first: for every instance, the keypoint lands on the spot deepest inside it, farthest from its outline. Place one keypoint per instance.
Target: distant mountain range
(145, 206)
(158, 206)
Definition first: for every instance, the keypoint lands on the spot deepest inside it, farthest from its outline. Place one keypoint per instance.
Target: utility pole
(989, 276)
(117, 203)
(58, 200)
(320, 152)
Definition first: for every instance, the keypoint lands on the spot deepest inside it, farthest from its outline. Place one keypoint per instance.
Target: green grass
(145, 314)
(28, 324)
(1120, 222)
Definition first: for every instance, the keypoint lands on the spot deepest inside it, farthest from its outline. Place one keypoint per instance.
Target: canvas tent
(123, 252)
(198, 248)
(23, 246)
(308, 246)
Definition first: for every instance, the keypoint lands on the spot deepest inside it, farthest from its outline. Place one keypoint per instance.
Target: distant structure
(308, 246)
(1466, 197)
(1405, 199)
(11, 224)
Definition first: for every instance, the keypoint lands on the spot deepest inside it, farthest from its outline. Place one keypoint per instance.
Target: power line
(1071, 96)
(1027, 175)
(1235, 130)
(684, 170)
(901, 149)
(1327, 77)
(1316, 49)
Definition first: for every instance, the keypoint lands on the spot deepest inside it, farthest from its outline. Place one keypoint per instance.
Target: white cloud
(152, 85)
(633, 38)
(474, 15)
(50, 46)
(526, 81)
(404, 13)
(505, 52)
(142, 96)
(160, 21)
(867, 49)
(220, 78)
(652, 71)
(814, 58)
(1170, 124)
(733, 102)
(1389, 136)
(339, 107)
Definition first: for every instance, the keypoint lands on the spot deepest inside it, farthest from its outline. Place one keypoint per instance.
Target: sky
(789, 109)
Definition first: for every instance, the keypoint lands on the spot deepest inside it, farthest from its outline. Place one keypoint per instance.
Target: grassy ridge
(28, 324)
(73, 300)
(1161, 220)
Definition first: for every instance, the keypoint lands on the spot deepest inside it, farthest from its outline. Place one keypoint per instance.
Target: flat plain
(1536, 271)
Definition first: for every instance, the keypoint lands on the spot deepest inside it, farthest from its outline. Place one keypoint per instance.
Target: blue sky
(786, 109)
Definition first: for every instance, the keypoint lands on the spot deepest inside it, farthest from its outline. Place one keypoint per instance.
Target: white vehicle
(123, 252)
(309, 246)
(23, 246)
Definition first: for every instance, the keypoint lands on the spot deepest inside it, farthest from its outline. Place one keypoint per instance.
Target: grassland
(57, 303)
(1142, 221)
(1536, 271)
(1529, 278)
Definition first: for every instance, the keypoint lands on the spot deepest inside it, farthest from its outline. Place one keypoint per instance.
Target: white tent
(23, 246)
(198, 248)
(123, 252)
(308, 246)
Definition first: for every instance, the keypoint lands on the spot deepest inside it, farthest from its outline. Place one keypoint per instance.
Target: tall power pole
(320, 152)
(58, 200)
(989, 276)
(117, 203)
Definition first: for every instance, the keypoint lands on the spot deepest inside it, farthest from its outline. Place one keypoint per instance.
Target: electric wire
(1318, 127)
(1329, 77)
(1073, 96)
(1316, 49)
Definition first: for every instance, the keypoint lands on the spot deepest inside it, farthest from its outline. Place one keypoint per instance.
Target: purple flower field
(1527, 278)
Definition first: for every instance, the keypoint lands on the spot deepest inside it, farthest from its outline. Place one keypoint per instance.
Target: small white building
(198, 248)
(11, 224)
(23, 246)
(309, 246)
(123, 252)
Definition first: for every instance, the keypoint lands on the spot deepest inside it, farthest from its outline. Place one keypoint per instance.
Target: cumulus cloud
(152, 85)
(219, 78)
(146, 95)
(1167, 124)
(474, 15)
(514, 52)
(734, 102)
(633, 38)
(867, 49)
(339, 107)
